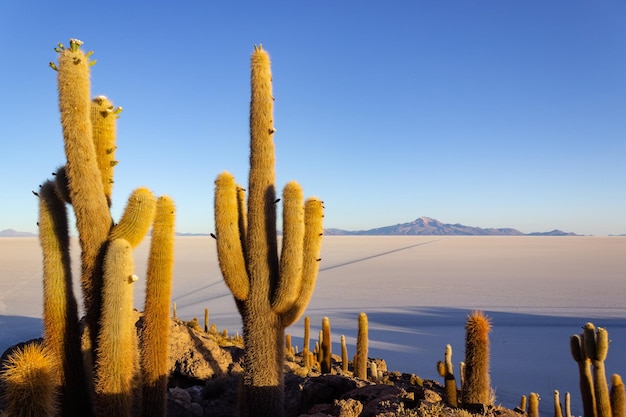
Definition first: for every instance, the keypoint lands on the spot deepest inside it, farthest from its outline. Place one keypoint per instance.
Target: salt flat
(416, 291)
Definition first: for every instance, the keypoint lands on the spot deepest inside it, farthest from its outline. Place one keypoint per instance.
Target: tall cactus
(60, 312)
(156, 327)
(271, 294)
(477, 386)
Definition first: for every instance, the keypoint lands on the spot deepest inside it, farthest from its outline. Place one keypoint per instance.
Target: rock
(347, 408)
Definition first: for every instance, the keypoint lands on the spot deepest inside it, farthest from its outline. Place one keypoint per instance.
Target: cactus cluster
(102, 374)
(589, 349)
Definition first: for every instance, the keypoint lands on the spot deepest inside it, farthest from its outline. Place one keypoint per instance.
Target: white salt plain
(416, 290)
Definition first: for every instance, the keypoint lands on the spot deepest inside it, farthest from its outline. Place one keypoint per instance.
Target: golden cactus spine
(30, 383)
(360, 359)
(477, 386)
(248, 253)
(60, 310)
(156, 327)
(577, 349)
(116, 354)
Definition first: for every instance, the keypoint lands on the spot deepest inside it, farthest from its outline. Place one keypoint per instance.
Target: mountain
(428, 226)
(15, 233)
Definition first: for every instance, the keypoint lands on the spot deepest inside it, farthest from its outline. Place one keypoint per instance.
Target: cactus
(618, 396)
(206, 320)
(156, 327)
(558, 411)
(307, 333)
(360, 359)
(568, 404)
(477, 388)
(116, 354)
(103, 117)
(446, 370)
(577, 350)
(533, 405)
(326, 347)
(344, 355)
(60, 312)
(30, 382)
(596, 343)
(270, 294)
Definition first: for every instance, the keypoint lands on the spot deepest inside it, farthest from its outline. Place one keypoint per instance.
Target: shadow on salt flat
(15, 329)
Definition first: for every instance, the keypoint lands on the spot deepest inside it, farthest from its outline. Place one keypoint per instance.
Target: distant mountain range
(15, 233)
(420, 226)
(428, 226)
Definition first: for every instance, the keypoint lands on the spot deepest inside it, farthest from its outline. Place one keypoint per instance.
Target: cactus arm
(116, 353)
(230, 252)
(93, 219)
(60, 310)
(156, 328)
(313, 231)
(103, 119)
(137, 218)
(603, 402)
(262, 254)
(291, 256)
(577, 348)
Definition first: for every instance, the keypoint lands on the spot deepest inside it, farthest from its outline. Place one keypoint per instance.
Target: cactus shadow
(16, 329)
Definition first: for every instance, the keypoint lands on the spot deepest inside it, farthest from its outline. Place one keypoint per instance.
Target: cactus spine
(156, 327)
(446, 370)
(360, 359)
(269, 298)
(477, 386)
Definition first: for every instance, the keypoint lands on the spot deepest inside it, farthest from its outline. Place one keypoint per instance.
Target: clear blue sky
(486, 113)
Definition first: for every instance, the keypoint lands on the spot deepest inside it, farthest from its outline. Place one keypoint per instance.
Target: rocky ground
(205, 368)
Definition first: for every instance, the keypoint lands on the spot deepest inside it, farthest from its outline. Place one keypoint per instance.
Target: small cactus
(360, 361)
(477, 386)
(326, 348)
